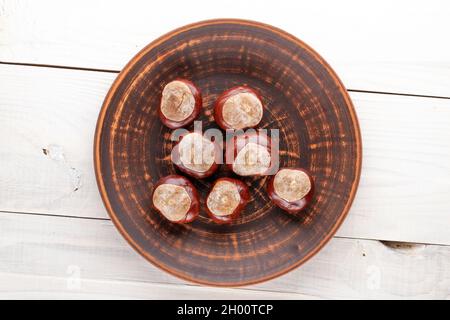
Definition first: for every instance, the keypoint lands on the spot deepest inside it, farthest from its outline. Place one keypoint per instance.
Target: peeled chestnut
(238, 108)
(176, 198)
(249, 154)
(181, 103)
(291, 189)
(226, 199)
(196, 155)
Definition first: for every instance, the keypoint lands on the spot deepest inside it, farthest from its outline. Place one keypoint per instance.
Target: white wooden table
(57, 61)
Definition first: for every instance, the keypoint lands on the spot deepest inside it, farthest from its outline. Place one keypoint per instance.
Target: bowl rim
(118, 80)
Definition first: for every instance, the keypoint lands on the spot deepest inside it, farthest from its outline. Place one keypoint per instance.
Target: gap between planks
(393, 244)
(118, 71)
(389, 57)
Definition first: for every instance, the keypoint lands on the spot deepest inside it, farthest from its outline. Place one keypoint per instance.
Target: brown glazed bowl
(302, 97)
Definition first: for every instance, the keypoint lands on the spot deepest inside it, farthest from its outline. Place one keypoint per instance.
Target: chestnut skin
(290, 206)
(244, 198)
(220, 102)
(189, 171)
(172, 124)
(181, 181)
(238, 142)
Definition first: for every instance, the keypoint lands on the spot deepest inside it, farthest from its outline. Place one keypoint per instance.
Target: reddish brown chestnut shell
(195, 174)
(245, 197)
(218, 107)
(290, 206)
(195, 113)
(240, 141)
(181, 181)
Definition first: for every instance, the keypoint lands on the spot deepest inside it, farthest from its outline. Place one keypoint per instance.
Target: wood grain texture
(22, 286)
(51, 257)
(44, 106)
(383, 46)
(302, 98)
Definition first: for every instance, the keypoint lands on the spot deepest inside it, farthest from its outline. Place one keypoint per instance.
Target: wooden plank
(51, 256)
(403, 193)
(23, 286)
(367, 44)
(405, 180)
(55, 110)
